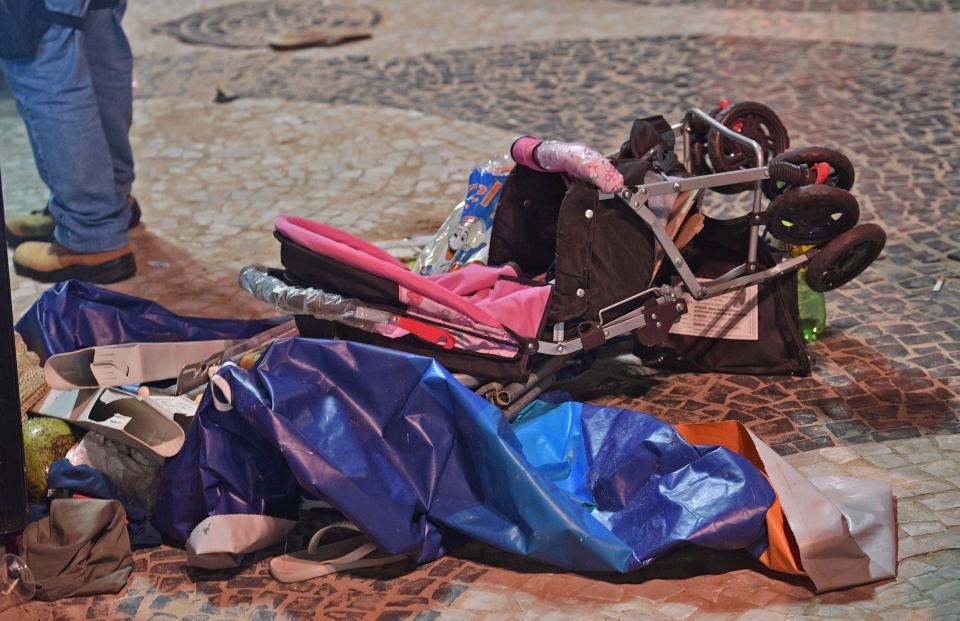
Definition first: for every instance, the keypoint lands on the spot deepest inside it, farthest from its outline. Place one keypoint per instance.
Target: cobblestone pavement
(376, 137)
(926, 6)
(480, 583)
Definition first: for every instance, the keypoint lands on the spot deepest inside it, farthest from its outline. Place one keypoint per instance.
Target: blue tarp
(415, 459)
(419, 462)
(73, 314)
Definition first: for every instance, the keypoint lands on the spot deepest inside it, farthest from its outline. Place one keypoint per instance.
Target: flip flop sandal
(316, 560)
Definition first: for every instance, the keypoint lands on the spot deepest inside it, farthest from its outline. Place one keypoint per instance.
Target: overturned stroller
(573, 266)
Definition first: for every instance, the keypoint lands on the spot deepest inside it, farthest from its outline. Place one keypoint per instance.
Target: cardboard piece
(132, 363)
(679, 226)
(327, 37)
(120, 416)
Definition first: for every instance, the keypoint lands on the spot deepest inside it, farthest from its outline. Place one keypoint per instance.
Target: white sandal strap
(311, 563)
(317, 536)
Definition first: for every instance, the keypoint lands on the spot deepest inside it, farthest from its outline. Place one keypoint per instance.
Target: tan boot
(36, 225)
(51, 262)
(39, 225)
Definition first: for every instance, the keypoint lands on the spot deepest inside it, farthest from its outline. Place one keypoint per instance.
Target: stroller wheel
(812, 215)
(841, 169)
(753, 120)
(845, 257)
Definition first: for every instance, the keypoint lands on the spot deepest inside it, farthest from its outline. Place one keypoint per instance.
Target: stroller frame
(656, 319)
(653, 311)
(652, 321)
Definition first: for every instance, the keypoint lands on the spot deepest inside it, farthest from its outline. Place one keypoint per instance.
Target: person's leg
(56, 99)
(111, 70)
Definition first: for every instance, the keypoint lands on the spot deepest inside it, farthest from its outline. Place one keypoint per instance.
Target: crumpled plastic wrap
(256, 280)
(136, 474)
(573, 159)
(464, 237)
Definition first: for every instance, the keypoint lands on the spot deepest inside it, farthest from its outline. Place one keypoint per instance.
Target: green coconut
(45, 440)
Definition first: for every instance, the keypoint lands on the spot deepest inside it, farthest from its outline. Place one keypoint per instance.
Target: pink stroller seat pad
(483, 294)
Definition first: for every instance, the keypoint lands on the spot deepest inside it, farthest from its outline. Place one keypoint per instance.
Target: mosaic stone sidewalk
(376, 137)
(480, 583)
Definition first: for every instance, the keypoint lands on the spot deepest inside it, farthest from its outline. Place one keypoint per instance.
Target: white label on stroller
(729, 316)
(171, 406)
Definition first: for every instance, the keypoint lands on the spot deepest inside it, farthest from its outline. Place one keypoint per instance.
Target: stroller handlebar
(792, 174)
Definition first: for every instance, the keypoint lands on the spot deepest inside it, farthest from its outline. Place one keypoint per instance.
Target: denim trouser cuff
(86, 245)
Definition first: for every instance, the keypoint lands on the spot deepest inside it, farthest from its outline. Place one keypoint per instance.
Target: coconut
(45, 440)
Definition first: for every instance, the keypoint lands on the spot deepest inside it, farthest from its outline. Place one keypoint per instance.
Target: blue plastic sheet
(74, 314)
(419, 463)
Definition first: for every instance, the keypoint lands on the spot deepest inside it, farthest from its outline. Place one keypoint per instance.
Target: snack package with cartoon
(464, 237)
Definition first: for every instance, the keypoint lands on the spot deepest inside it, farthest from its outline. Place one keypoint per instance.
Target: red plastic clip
(431, 334)
(823, 171)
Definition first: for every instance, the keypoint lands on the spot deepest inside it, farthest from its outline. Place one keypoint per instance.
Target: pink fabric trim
(292, 225)
(523, 152)
(472, 278)
(446, 316)
(357, 253)
(519, 307)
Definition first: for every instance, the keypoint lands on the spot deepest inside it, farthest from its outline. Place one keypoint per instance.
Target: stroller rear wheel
(812, 215)
(845, 257)
(754, 120)
(841, 173)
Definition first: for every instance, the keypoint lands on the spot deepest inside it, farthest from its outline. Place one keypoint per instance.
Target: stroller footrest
(661, 315)
(650, 323)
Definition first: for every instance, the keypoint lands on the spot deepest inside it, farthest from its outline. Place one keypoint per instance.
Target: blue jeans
(76, 99)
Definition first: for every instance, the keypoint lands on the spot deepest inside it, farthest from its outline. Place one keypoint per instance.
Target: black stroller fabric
(779, 350)
(605, 255)
(598, 251)
(525, 228)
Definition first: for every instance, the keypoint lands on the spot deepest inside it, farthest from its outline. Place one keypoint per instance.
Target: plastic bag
(464, 237)
(256, 280)
(136, 474)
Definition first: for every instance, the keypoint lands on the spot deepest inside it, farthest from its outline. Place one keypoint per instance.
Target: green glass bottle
(812, 304)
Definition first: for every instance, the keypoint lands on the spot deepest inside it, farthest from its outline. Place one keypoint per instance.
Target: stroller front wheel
(812, 215)
(845, 257)
(841, 173)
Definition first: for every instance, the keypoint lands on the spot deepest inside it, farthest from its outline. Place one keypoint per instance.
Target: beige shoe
(39, 225)
(51, 262)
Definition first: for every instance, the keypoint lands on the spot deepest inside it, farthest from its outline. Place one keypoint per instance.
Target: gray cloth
(81, 548)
